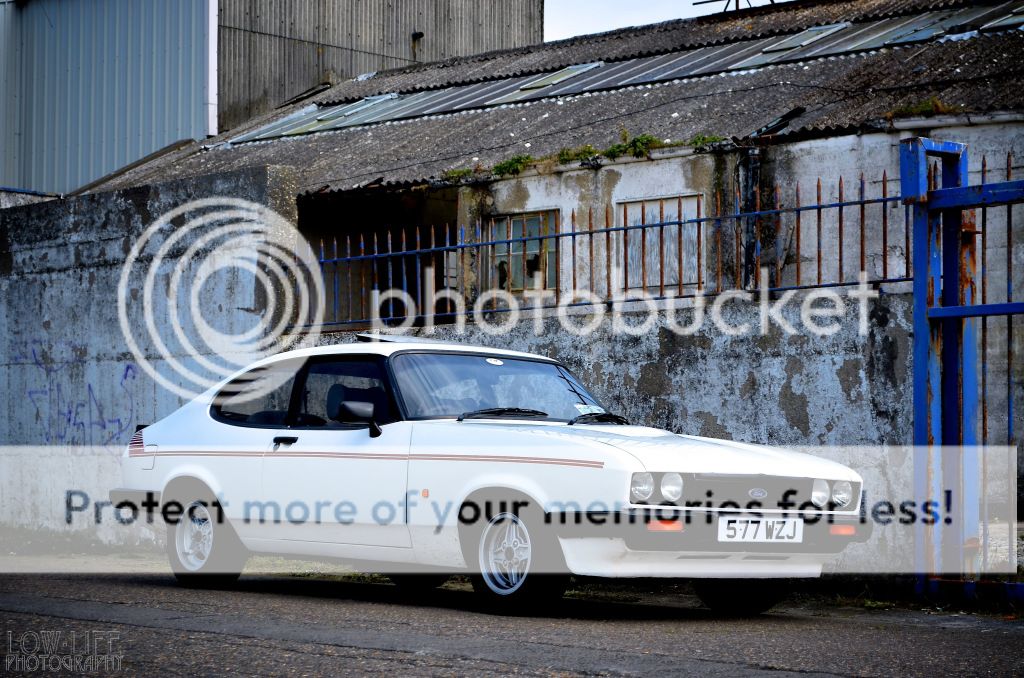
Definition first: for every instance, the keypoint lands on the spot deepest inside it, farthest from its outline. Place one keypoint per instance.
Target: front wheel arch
(494, 497)
(547, 576)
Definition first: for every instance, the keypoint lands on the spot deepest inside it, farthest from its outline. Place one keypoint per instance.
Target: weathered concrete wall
(682, 173)
(675, 172)
(69, 380)
(845, 389)
(14, 199)
(66, 367)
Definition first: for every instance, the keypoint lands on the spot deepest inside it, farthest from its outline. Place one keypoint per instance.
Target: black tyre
(514, 557)
(740, 597)
(202, 547)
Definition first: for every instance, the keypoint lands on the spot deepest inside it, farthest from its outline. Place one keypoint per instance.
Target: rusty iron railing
(814, 235)
(666, 248)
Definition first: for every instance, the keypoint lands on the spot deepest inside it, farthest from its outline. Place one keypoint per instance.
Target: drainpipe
(749, 176)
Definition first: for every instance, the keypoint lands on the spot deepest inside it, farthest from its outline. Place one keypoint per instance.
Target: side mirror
(354, 410)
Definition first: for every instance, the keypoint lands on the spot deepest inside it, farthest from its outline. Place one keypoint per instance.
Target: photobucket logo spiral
(253, 288)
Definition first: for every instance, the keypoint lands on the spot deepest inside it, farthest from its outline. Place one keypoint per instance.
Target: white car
(425, 459)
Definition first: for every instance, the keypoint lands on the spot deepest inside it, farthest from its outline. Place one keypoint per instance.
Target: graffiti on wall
(69, 407)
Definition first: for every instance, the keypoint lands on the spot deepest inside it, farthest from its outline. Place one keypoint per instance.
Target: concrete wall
(682, 173)
(676, 172)
(14, 199)
(73, 391)
(845, 389)
(66, 366)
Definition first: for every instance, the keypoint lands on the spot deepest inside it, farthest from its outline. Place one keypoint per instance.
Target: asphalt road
(303, 626)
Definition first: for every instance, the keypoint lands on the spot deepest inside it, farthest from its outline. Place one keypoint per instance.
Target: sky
(566, 18)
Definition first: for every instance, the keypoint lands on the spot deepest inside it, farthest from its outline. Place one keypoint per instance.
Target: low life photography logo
(62, 651)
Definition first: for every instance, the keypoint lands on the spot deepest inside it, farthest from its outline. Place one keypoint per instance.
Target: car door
(247, 414)
(332, 480)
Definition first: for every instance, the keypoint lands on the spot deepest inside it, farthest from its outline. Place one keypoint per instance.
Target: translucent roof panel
(612, 75)
(868, 37)
(931, 29)
(526, 90)
(973, 18)
(328, 118)
(960, 21)
(559, 76)
(731, 56)
(694, 61)
(1012, 20)
(271, 130)
(805, 37)
(779, 49)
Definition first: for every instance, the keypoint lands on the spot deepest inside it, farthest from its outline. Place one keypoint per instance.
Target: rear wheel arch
(186, 487)
(192, 476)
(222, 554)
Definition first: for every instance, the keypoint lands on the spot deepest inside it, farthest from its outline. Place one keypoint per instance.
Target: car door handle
(285, 440)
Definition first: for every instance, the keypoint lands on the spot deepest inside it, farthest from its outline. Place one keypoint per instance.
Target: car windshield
(450, 385)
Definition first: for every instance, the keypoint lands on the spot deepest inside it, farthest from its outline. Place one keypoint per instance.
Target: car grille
(770, 491)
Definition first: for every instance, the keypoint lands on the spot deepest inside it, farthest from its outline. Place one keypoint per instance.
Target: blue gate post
(959, 359)
(945, 361)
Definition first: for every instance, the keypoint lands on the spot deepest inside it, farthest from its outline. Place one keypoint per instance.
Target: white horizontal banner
(902, 510)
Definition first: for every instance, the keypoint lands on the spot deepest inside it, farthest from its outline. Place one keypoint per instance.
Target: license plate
(761, 530)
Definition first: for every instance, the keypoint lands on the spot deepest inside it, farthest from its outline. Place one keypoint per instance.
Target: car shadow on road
(676, 607)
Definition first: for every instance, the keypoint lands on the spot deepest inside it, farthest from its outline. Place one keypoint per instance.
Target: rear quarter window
(260, 397)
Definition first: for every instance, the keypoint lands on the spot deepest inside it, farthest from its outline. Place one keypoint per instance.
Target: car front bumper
(597, 557)
(651, 543)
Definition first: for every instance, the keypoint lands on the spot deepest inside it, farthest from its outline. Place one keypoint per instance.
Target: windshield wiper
(501, 412)
(599, 418)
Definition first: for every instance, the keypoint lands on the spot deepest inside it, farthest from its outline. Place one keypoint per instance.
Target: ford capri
(422, 459)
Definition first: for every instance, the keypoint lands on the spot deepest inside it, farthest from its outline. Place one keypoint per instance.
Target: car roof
(391, 346)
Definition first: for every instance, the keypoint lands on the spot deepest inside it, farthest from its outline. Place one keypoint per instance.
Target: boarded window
(523, 251)
(658, 247)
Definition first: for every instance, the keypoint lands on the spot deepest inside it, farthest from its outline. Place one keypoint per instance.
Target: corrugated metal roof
(670, 36)
(818, 41)
(845, 92)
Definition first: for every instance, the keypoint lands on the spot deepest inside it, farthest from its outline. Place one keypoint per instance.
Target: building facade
(93, 86)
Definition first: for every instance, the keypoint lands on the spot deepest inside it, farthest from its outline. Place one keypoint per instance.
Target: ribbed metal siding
(270, 52)
(10, 101)
(104, 83)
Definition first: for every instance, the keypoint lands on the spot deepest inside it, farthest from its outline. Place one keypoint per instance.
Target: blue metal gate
(950, 368)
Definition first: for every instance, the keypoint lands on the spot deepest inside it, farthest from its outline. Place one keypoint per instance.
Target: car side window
(260, 397)
(329, 383)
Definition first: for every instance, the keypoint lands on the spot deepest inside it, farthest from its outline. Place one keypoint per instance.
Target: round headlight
(842, 493)
(672, 486)
(642, 487)
(820, 493)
